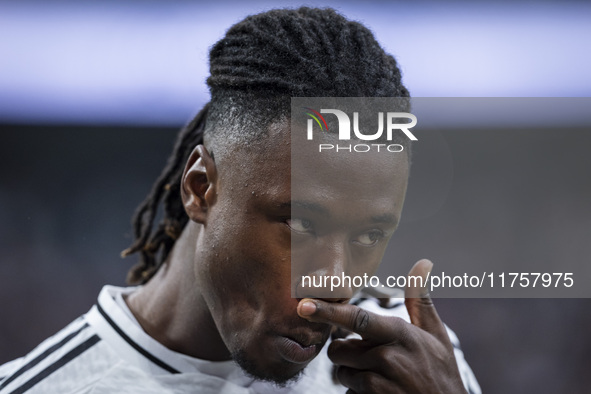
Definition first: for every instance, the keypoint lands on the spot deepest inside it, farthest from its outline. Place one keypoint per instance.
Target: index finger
(373, 327)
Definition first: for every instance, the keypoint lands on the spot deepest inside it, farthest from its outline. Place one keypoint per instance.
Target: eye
(369, 238)
(299, 225)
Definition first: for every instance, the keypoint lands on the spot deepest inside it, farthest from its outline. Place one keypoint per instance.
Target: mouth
(297, 351)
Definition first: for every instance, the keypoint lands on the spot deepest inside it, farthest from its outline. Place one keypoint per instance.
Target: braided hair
(260, 63)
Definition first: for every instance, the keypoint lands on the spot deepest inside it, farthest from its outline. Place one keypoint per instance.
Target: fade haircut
(255, 69)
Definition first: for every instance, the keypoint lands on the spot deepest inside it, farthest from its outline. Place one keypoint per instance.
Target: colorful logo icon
(315, 115)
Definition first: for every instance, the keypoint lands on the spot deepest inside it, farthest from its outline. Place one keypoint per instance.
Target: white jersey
(106, 351)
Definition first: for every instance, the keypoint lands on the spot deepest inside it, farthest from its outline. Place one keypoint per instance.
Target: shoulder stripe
(41, 357)
(72, 354)
(133, 344)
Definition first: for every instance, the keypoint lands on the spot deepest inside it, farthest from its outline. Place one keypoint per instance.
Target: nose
(325, 274)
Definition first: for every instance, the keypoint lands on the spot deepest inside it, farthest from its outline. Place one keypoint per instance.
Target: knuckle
(399, 325)
(404, 333)
(360, 320)
(383, 353)
(397, 321)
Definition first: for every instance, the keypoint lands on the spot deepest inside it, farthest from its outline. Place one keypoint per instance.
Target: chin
(280, 373)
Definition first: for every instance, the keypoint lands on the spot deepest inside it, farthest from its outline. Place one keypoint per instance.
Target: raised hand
(393, 356)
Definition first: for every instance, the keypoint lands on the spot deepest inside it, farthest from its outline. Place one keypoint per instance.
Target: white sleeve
(8, 368)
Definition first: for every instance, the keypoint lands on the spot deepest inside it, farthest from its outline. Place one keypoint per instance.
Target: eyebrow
(386, 218)
(310, 206)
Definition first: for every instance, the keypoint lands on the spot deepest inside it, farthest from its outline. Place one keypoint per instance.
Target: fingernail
(307, 308)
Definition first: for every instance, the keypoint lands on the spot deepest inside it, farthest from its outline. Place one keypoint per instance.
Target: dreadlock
(260, 63)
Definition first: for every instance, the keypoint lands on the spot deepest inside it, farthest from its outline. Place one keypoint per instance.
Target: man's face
(243, 261)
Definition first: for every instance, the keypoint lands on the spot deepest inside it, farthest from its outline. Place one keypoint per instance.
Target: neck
(170, 307)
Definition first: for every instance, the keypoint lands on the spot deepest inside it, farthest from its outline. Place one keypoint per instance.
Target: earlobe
(198, 184)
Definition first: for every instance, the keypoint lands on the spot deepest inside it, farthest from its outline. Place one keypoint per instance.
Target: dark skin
(225, 290)
(393, 356)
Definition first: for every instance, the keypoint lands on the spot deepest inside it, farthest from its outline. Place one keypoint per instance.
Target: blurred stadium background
(92, 94)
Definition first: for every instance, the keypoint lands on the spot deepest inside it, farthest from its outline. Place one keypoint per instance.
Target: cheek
(245, 273)
(249, 253)
(368, 260)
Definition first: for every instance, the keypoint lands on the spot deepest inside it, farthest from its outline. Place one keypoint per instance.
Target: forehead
(275, 166)
(358, 182)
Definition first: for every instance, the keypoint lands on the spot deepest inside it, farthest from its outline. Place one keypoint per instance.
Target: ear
(198, 185)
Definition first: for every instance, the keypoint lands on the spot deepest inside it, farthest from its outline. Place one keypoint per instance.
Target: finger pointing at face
(372, 327)
(393, 356)
(377, 328)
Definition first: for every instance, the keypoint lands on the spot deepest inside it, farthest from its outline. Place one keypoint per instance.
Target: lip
(293, 351)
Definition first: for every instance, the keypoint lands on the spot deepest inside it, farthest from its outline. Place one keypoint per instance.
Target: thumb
(420, 307)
